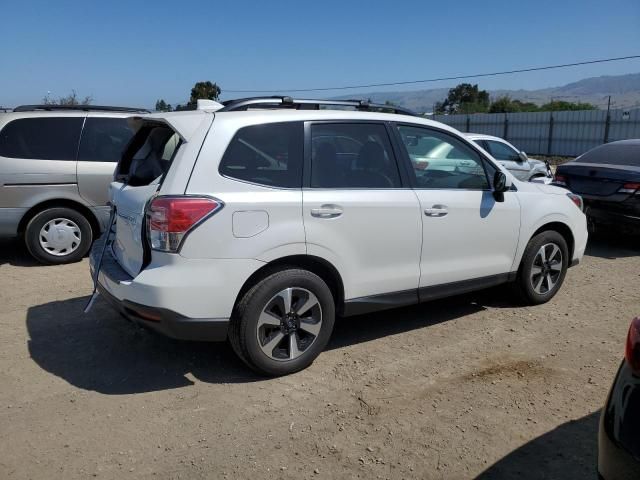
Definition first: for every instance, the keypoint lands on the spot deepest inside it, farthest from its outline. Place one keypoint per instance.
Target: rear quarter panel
(215, 238)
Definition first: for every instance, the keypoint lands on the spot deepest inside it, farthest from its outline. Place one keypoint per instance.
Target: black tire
(244, 328)
(75, 252)
(524, 283)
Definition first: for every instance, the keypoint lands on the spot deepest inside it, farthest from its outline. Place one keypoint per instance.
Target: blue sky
(134, 52)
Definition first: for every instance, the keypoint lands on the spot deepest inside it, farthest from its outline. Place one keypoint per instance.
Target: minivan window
(104, 139)
(268, 154)
(441, 161)
(352, 155)
(43, 138)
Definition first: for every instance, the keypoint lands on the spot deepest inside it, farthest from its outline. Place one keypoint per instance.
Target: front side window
(442, 161)
(268, 154)
(45, 138)
(104, 139)
(352, 155)
(502, 151)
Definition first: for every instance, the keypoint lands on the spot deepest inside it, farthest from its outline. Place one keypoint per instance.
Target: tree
(206, 90)
(505, 104)
(71, 99)
(560, 105)
(464, 98)
(162, 106)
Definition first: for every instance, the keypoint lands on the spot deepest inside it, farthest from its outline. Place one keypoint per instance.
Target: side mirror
(522, 157)
(500, 185)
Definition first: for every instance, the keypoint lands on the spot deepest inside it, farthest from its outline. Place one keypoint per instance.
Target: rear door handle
(326, 211)
(436, 211)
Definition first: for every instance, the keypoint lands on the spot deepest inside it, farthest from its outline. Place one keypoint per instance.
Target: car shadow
(613, 245)
(13, 252)
(113, 356)
(569, 451)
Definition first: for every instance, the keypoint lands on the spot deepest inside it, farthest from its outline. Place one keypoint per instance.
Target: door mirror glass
(522, 156)
(500, 182)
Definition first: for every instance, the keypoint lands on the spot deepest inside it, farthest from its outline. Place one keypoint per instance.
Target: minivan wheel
(543, 268)
(283, 322)
(58, 235)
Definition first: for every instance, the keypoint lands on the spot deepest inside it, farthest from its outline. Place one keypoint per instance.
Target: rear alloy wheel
(289, 324)
(58, 235)
(543, 268)
(283, 323)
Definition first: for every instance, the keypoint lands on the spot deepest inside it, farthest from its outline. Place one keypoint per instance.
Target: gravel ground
(468, 387)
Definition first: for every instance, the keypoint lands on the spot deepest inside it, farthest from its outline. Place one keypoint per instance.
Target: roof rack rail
(308, 104)
(84, 108)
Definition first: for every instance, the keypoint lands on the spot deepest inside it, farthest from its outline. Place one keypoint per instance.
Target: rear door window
(269, 155)
(44, 138)
(104, 139)
(623, 153)
(352, 155)
(501, 151)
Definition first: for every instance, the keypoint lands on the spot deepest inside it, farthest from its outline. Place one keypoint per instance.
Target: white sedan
(514, 160)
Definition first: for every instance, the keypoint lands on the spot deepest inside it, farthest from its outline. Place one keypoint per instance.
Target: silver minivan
(56, 163)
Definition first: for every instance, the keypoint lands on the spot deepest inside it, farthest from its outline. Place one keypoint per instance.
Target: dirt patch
(510, 368)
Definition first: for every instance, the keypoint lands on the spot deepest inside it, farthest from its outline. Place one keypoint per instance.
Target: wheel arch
(321, 267)
(61, 202)
(563, 229)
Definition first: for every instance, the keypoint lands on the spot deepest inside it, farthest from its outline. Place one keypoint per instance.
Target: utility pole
(607, 122)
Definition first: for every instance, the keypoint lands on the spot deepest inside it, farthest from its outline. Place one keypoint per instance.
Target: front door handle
(326, 211)
(436, 211)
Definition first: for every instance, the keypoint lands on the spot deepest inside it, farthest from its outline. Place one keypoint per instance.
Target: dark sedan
(619, 436)
(608, 179)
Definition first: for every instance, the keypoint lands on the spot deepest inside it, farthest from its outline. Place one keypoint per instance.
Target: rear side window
(268, 154)
(104, 139)
(47, 138)
(354, 155)
(627, 154)
(500, 151)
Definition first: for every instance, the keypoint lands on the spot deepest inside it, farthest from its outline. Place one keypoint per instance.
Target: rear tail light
(559, 179)
(632, 187)
(169, 219)
(577, 200)
(632, 350)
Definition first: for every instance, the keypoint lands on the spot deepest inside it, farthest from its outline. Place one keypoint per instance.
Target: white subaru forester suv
(261, 220)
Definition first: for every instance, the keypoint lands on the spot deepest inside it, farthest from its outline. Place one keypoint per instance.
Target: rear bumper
(167, 322)
(188, 299)
(602, 215)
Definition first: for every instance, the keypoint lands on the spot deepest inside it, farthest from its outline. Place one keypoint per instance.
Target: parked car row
(56, 163)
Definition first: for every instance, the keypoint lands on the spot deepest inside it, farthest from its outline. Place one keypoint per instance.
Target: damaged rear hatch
(156, 146)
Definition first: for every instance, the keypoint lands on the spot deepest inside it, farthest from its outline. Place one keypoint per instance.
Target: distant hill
(624, 91)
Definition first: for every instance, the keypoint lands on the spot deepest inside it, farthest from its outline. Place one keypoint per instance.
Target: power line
(430, 80)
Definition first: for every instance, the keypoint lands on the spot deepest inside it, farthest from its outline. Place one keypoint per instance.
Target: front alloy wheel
(543, 268)
(546, 268)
